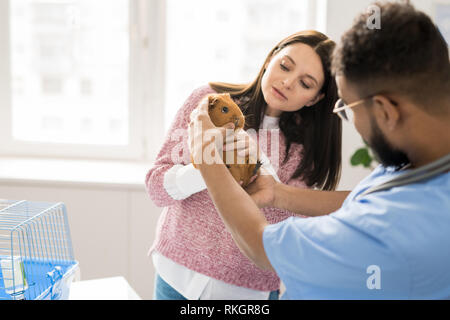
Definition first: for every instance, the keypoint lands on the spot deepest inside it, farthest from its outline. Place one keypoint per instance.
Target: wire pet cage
(36, 255)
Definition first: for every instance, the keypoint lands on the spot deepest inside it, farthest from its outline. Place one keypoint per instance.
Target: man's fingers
(202, 108)
(227, 130)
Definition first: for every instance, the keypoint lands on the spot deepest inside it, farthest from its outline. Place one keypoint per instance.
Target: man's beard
(384, 153)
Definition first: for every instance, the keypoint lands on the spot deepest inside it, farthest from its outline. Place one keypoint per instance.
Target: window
(104, 78)
(71, 58)
(76, 75)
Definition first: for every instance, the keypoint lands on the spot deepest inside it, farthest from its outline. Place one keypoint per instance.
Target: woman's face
(292, 80)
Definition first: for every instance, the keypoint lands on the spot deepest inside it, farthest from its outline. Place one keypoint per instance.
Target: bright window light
(69, 71)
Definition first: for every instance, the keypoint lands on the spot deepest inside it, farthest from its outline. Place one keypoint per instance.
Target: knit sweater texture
(190, 231)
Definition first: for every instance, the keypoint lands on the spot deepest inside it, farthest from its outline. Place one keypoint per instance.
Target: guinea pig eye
(225, 109)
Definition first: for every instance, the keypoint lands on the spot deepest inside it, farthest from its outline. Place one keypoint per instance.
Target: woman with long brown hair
(291, 100)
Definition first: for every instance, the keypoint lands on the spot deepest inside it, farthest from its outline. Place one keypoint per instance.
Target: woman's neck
(272, 112)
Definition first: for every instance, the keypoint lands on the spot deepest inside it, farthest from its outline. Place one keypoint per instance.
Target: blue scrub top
(392, 244)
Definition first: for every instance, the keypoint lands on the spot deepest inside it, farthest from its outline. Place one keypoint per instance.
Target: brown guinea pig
(222, 110)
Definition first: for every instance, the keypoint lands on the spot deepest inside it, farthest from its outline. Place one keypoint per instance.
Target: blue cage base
(46, 280)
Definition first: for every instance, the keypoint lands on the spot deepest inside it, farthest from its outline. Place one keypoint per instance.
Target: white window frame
(146, 93)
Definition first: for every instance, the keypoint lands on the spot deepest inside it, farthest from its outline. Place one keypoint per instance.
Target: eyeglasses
(344, 110)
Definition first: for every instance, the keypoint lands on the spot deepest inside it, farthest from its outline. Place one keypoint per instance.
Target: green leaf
(361, 157)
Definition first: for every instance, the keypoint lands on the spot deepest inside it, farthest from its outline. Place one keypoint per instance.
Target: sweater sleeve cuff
(180, 182)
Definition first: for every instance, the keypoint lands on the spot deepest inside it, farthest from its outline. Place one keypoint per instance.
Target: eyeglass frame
(354, 104)
(347, 106)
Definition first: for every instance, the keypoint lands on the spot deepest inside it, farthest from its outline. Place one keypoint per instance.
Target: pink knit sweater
(190, 232)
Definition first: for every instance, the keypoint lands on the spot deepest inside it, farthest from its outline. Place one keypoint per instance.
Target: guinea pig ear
(212, 101)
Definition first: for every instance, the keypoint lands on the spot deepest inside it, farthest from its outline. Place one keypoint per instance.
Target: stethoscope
(426, 172)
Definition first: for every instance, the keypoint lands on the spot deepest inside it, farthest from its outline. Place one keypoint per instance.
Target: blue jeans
(163, 291)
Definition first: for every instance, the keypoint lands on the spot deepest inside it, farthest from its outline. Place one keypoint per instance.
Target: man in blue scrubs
(387, 243)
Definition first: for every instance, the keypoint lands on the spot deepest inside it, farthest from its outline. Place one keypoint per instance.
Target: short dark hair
(407, 55)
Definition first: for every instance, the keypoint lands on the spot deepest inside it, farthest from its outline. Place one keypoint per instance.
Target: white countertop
(115, 288)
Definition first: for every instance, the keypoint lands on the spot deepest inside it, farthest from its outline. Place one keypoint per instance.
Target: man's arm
(306, 201)
(266, 192)
(240, 214)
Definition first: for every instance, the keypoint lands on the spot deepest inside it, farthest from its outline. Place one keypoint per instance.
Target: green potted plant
(363, 157)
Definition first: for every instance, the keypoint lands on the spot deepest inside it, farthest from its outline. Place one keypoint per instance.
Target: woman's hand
(205, 139)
